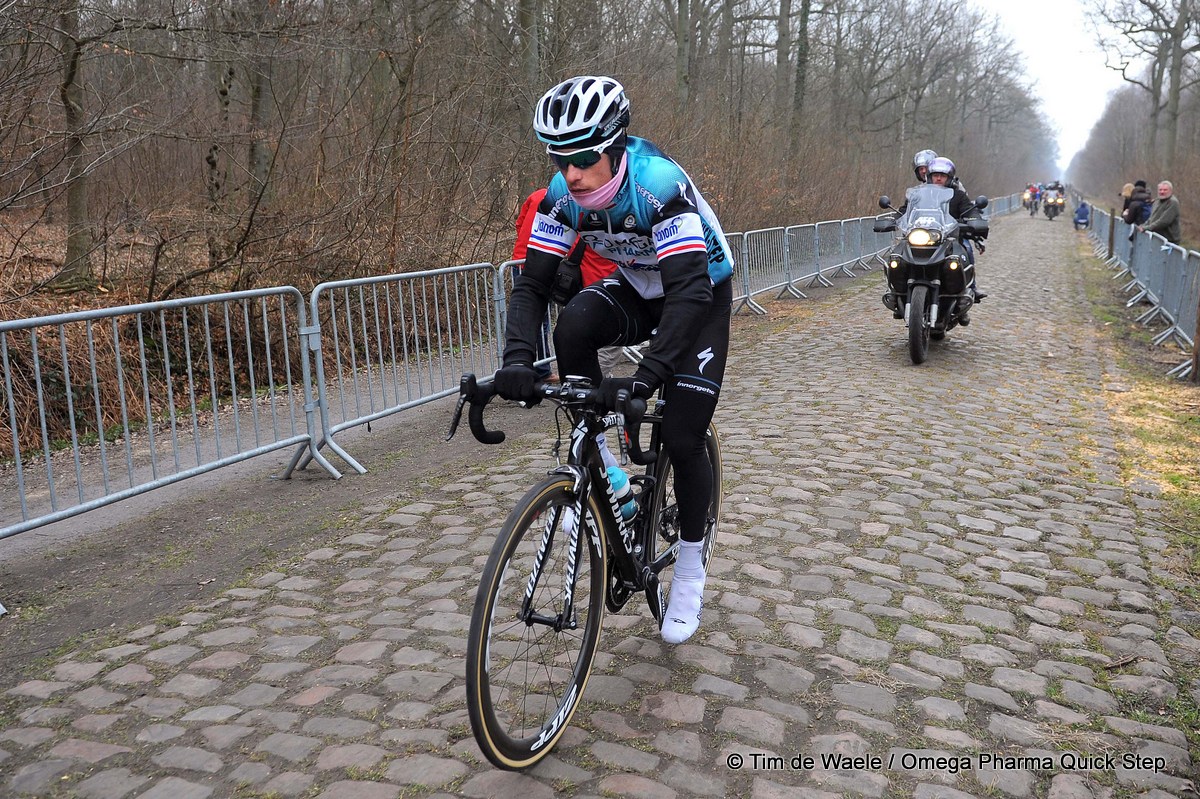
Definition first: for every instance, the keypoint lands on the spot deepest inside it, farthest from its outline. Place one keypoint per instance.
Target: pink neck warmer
(598, 199)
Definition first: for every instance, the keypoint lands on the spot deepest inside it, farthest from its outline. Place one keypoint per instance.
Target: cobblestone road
(916, 565)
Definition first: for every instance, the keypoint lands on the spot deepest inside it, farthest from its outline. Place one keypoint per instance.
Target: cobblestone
(874, 591)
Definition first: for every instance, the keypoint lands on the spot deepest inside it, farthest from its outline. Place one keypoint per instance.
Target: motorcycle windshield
(928, 208)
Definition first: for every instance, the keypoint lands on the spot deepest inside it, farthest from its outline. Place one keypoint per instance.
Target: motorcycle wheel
(918, 331)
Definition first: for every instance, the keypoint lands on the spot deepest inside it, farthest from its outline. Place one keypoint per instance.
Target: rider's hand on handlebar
(516, 382)
(611, 386)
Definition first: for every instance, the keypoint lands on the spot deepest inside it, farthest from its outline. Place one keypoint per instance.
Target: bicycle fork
(567, 519)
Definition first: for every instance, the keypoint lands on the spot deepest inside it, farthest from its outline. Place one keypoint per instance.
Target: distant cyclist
(636, 207)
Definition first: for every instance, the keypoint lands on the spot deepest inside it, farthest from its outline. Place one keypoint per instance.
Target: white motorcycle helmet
(922, 159)
(942, 166)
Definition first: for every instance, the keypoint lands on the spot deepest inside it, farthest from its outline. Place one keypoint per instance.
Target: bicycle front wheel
(535, 625)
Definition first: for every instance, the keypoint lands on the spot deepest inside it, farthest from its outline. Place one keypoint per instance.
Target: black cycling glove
(515, 382)
(610, 386)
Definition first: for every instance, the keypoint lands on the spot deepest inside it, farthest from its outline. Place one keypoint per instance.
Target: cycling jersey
(664, 238)
(656, 214)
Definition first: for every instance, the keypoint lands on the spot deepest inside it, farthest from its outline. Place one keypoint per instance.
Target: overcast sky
(1064, 63)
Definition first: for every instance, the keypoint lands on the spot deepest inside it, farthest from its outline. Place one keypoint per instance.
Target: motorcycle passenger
(941, 173)
(638, 208)
(921, 164)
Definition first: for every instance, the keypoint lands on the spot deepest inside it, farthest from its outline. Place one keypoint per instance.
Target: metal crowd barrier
(384, 344)
(223, 378)
(1163, 275)
(217, 380)
(776, 259)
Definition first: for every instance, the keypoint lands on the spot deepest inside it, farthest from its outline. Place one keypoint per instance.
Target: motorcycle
(930, 273)
(1027, 200)
(1053, 205)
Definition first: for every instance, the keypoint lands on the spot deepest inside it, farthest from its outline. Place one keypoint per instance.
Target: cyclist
(638, 208)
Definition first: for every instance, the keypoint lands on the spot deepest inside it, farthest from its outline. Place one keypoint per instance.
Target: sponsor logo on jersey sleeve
(550, 236)
(679, 234)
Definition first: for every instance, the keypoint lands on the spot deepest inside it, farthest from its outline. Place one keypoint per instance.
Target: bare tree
(1167, 33)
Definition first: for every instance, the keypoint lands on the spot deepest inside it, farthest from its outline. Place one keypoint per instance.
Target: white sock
(687, 594)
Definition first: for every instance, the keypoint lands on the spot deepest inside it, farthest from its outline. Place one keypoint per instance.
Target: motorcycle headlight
(920, 237)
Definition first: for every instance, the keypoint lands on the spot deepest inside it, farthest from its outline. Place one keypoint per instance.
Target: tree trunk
(683, 42)
(783, 47)
(259, 156)
(1175, 59)
(77, 269)
(725, 54)
(800, 86)
(529, 24)
(1156, 92)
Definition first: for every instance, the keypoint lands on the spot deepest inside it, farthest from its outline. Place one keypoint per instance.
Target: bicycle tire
(514, 725)
(665, 525)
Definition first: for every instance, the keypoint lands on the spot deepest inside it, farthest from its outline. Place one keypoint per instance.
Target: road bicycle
(537, 617)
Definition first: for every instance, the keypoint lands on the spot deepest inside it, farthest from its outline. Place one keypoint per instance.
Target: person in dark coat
(1138, 210)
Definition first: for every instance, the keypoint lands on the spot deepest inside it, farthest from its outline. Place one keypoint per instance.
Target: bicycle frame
(626, 540)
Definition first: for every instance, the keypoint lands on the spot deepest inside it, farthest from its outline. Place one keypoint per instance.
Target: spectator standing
(1164, 219)
(1138, 210)
(1126, 193)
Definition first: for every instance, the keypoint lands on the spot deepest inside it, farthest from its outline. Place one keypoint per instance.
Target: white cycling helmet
(581, 112)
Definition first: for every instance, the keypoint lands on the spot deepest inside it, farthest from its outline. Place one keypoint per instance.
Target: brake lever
(466, 389)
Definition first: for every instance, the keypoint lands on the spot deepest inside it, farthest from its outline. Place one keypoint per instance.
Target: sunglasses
(582, 159)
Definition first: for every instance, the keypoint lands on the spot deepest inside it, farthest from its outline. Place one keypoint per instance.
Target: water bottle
(623, 492)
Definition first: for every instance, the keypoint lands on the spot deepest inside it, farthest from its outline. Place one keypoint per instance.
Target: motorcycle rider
(1049, 202)
(962, 207)
(941, 173)
(942, 168)
(921, 169)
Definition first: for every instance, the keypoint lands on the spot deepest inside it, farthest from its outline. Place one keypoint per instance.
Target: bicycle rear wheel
(527, 669)
(666, 521)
